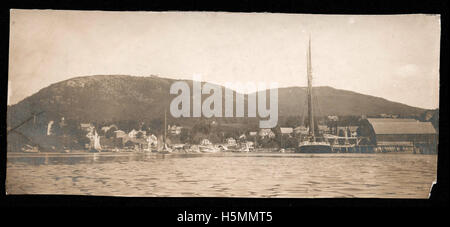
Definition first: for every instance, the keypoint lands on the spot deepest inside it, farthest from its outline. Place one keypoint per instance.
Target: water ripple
(224, 175)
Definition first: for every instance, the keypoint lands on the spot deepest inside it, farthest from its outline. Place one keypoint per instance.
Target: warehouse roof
(400, 126)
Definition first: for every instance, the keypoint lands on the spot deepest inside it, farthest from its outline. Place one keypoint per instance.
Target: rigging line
(305, 103)
(19, 125)
(27, 138)
(21, 134)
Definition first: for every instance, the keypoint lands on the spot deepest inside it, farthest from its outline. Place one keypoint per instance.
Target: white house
(231, 141)
(87, 127)
(286, 131)
(133, 133)
(205, 142)
(120, 134)
(175, 130)
(301, 130)
(266, 133)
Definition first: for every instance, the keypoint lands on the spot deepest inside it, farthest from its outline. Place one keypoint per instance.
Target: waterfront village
(381, 133)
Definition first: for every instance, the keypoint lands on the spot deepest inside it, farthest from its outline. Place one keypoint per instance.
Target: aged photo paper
(217, 104)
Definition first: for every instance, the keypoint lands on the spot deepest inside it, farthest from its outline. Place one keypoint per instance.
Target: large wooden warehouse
(397, 132)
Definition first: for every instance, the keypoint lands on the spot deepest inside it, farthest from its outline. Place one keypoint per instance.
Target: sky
(395, 57)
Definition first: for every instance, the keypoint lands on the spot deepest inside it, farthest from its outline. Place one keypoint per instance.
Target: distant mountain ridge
(122, 97)
(331, 101)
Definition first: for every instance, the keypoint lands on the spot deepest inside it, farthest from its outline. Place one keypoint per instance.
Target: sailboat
(311, 144)
(96, 146)
(164, 149)
(152, 142)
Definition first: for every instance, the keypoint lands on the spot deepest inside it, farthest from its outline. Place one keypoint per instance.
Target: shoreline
(86, 153)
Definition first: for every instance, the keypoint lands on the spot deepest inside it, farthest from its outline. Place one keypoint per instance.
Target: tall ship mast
(311, 145)
(309, 93)
(164, 149)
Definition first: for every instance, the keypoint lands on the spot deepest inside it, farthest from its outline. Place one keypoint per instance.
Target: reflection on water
(223, 175)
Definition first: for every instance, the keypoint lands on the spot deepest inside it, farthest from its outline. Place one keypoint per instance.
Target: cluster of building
(120, 139)
(385, 131)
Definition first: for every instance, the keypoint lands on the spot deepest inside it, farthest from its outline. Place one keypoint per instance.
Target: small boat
(30, 149)
(222, 148)
(165, 150)
(244, 148)
(193, 149)
(94, 150)
(207, 147)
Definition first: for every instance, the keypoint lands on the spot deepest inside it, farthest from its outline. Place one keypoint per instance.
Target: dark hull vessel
(314, 148)
(93, 150)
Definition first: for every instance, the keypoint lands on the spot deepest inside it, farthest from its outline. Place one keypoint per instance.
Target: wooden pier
(411, 149)
(353, 145)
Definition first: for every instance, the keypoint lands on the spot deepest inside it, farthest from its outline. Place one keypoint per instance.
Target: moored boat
(207, 147)
(95, 147)
(164, 149)
(30, 149)
(314, 147)
(311, 145)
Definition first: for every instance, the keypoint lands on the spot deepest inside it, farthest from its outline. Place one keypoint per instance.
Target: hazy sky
(395, 57)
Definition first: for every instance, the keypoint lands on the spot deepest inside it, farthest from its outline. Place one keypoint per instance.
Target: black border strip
(440, 192)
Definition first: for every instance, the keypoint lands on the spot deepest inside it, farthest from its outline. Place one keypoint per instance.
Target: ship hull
(314, 148)
(94, 150)
(206, 149)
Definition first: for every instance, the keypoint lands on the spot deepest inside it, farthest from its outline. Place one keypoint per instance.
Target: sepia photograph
(222, 104)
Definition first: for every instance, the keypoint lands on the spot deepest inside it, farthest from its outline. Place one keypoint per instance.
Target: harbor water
(258, 175)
